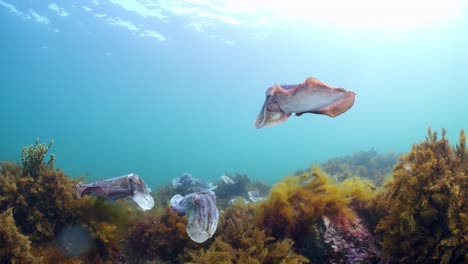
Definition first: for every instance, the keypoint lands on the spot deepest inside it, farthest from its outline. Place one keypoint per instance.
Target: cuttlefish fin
(336, 108)
(311, 81)
(275, 89)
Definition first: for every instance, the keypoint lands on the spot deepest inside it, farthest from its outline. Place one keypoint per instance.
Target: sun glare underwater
(192, 131)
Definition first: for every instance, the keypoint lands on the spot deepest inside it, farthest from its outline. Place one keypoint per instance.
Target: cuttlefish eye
(274, 116)
(267, 93)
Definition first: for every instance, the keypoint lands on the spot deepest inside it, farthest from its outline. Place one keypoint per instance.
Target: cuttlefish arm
(312, 96)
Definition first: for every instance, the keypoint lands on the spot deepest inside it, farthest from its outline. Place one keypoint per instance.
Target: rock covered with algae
(202, 213)
(187, 184)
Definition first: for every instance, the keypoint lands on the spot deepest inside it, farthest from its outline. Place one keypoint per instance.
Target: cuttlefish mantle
(312, 96)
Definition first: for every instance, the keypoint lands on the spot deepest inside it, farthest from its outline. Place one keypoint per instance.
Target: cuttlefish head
(271, 113)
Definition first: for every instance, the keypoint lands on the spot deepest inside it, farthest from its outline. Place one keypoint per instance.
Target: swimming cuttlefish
(312, 96)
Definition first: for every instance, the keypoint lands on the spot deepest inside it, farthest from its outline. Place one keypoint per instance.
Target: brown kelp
(369, 164)
(15, 247)
(300, 206)
(424, 210)
(160, 236)
(43, 203)
(419, 216)
(238, 185)
(239, 240)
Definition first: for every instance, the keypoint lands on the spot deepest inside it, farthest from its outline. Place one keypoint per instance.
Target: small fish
(201, 211)
(312, 96)
(128, 186)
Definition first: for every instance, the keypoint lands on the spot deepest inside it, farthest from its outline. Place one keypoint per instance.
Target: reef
(424, 215)
(238, 185)
(43, 203)
(16, 247)
(239, 240)
(418, 215)
(316, 212)
(369, 165)
(161, 236)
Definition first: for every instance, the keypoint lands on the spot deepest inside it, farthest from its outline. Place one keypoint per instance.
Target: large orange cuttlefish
(312, 96)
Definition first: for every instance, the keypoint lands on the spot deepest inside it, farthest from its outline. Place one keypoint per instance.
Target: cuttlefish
(128, 186)
(312, 96)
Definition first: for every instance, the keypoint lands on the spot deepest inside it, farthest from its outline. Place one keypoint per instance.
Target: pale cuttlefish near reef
(202, 213)
(128, 186)
(312, 96)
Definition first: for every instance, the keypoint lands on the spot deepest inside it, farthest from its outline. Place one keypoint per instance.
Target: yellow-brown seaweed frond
(238, 240)
(40, 205)
(299, 202)
(52, 254)
(47, 204)
(15, 247)
(159, 237)
(424, 207)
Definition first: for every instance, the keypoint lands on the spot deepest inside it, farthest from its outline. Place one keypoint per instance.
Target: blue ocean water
(161, 88)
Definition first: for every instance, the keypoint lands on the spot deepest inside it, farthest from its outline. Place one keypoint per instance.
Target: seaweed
(239, 240)
(163, 195)
(159, 237)
(423, 211)
(32, 158)
(297, 206)
(369, 164)
(15, 247)
(43, 202)
(226, 192)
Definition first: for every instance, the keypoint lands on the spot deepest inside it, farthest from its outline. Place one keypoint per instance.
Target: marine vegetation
(418, 216)
(163, 195)
(15, 247)
(159, 237)
(32, 158)
(423, 209)
(239, 240)
(238, 186)
(369, 164)
(225, 191)
(302, 208)
(43, 203)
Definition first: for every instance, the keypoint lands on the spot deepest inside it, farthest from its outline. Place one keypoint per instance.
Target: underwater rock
(312, 96)
(349, 241)
(128, 186)
(186, 184)
(234, 200)
(201, 211)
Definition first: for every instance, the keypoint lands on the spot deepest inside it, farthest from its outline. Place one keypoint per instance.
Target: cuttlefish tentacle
(311, 96)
